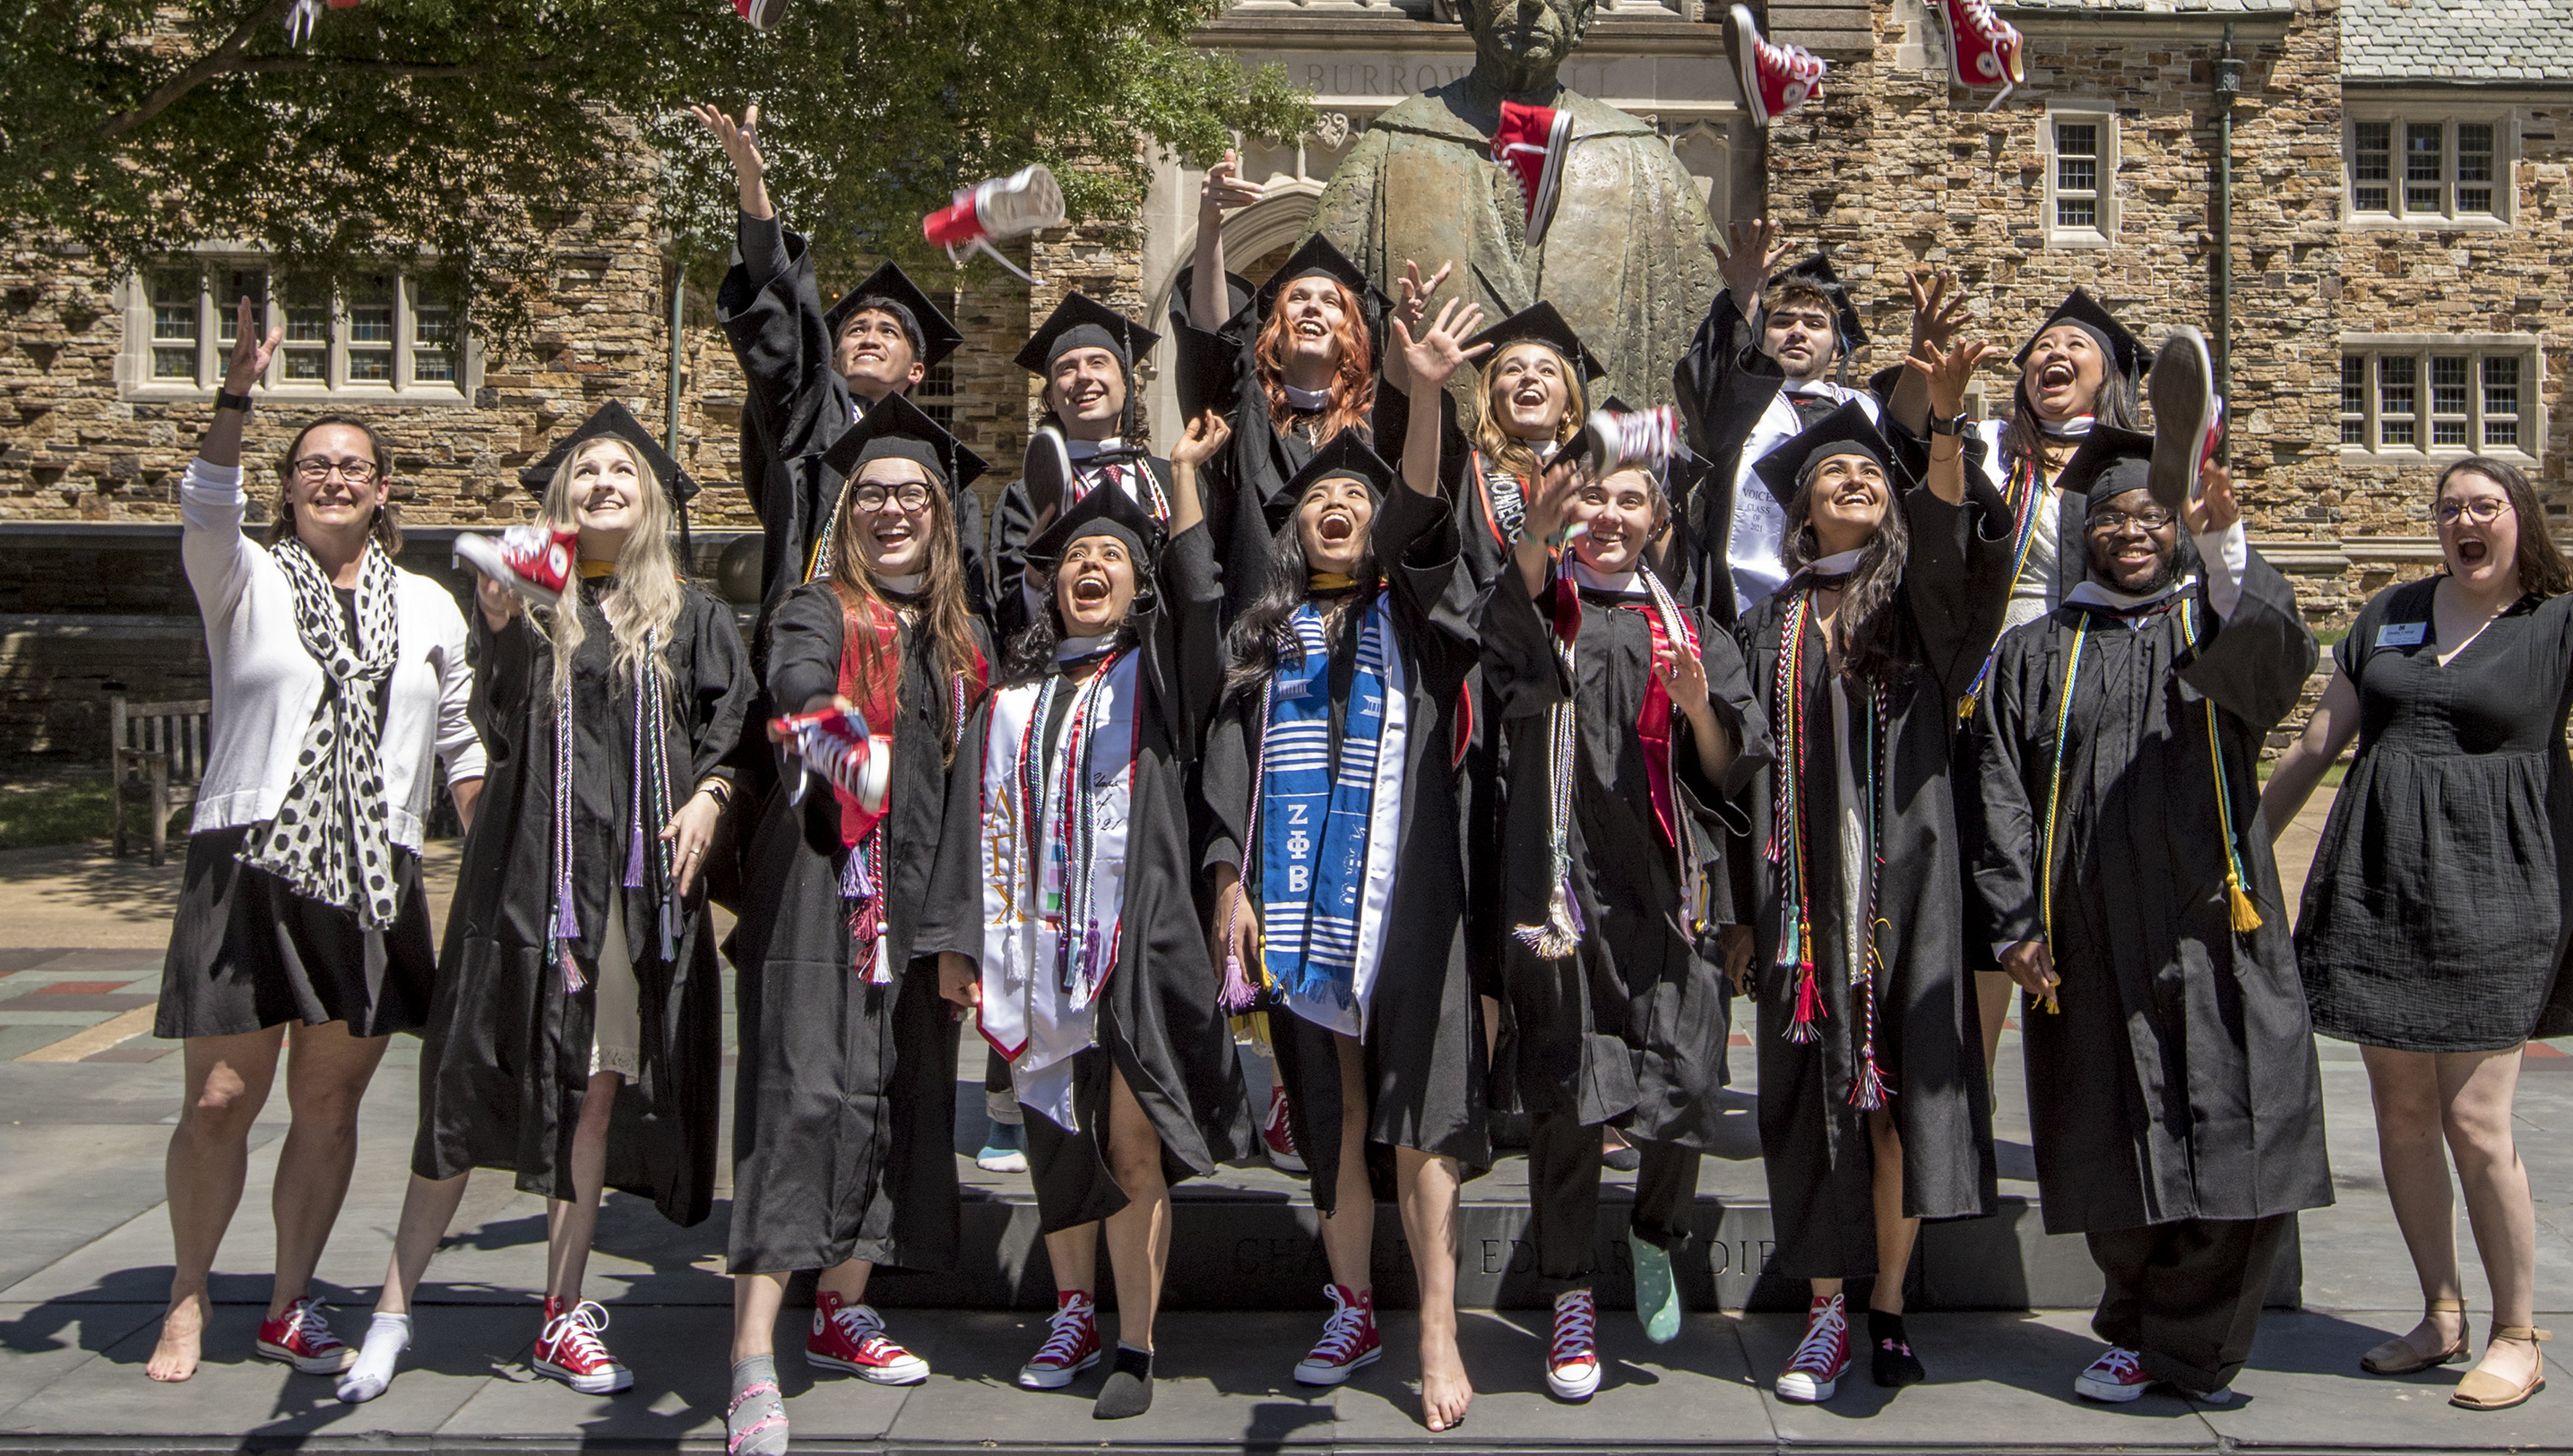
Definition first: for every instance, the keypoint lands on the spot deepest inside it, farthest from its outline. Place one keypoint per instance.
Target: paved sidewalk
(84, 1265)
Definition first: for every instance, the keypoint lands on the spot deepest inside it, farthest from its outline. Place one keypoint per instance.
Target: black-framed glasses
(2482, 510)
(314, 470)
(911, 496)
(2152, 519)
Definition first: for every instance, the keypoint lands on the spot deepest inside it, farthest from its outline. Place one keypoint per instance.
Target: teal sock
(1657, 1291)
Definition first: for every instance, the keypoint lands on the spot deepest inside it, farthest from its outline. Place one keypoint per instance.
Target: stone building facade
(2398, 281)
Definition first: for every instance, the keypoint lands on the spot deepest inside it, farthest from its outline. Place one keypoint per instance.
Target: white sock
(387, 1336)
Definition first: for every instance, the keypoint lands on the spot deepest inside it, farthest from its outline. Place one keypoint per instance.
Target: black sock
(1889, 1351)
(1128, 1391)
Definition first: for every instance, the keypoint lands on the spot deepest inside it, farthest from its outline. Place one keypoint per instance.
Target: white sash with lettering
(1042, 972)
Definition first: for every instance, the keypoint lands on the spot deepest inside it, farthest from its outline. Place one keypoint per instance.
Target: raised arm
(1941, 377)
(1222, 190)
(212, 548)
(1430, 361)
(1938, 314)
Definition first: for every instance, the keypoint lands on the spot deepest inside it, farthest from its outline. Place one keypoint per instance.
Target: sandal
(2479, 1392)
(2399, 1356)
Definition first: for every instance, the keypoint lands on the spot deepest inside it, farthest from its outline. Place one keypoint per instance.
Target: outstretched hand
(1224, 189)
(1433, 359)
(1946, 374)
(252, 349)
(1415, 304)
(1938, 309)
(1746, 258)
(740, 142)
(1203, 436)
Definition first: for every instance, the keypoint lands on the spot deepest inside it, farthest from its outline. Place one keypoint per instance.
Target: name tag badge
(2402, 634)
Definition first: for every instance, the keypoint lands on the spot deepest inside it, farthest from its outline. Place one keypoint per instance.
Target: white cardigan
(266, 686)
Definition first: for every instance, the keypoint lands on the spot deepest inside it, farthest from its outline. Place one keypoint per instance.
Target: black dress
(2177, 1079)
(844, 1108)
(1423, 1042)
(1813, 1139)
(1158, 1018)
(2437, 912)
(507, 1059)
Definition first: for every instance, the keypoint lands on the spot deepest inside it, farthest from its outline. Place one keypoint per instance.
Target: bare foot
(1444, 1390)
(174, 1357)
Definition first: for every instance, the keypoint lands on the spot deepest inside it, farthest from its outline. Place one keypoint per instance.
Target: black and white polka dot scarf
(328, 840)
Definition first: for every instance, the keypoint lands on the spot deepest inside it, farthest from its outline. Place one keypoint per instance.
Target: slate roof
(2472, 41)
(2159, 7)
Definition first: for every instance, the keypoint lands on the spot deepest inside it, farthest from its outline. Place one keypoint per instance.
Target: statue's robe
(1624, 259)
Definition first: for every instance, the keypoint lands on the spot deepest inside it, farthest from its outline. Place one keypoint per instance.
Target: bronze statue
(1623, 252)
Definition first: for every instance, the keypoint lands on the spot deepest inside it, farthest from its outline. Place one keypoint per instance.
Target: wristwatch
(227, 400)
(1955, 426)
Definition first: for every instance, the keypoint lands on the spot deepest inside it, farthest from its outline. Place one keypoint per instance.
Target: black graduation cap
(2110, 462)
(1082, 322)
(1319, 258)
(2082, 311)
(1344, 458)
(1846, 430)
(895, 428)
(1539, 325)
(1105, 511)
(933, 334)
(614, 419)
(1816, 273)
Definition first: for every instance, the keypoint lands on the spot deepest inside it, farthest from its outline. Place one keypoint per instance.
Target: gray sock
(755, 1419)
(1128, 1390)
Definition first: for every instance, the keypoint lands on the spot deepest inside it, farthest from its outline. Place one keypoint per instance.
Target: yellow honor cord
(1329, 581)
(591, 570)
(2055, 798)
(2245, 915)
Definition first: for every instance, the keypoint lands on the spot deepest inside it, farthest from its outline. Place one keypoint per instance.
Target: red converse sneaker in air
(2186, 416)
(571, 1351)
(851, 1337)
(1983, 50)
(2116, 1377)
(1776, 80)
(1815, 1370)
(301, 1339)
(531, 561)
(1072, 1344)
(762, 14)
(1532, 142)
(995, 211)
(1572, 1361)
(1618, 440)
(1349, 1340)
(1277, 1133)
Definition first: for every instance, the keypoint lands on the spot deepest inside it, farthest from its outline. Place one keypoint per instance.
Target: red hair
(1353, 387)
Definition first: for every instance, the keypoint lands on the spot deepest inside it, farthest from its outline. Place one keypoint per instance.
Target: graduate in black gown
(1630, 725)
(575, 1037)
(844, 1114)
(810, 373)
(1874, 1112)
(1065, 906)
(1085, 351)
(1290, 365)
(1758, 372)
(1338, 864)
(2173, 1087)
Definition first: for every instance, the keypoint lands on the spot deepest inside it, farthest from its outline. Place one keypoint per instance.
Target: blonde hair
(646, 600)
(1507, 450)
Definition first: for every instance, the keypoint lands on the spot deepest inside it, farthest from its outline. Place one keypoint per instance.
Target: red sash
(874, 692)
(1653, 722)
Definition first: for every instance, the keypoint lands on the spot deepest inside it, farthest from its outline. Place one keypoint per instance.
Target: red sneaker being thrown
(1776, 80)
(1983, 50)
(528, 559)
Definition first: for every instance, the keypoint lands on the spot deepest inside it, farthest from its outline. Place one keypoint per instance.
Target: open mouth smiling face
(1333, 523)
(1619, 513)
(2062, 374)
(1528, 390)
(1095, 587)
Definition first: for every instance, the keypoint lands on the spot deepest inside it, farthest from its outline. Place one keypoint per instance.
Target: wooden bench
(159, 758)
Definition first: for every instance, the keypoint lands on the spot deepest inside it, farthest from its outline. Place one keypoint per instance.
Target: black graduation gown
(1631, 1027)
(1159, 1017)
(799, 406)
(506, 1061)
(1424, 1034)
(2179, 1078)
(1014, 521)
(844, 1108)
(1929, 1043)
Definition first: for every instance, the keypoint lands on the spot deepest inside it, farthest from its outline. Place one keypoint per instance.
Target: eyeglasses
(2113, 521)
(911, 496)
(314, 470)
(2482, 510)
